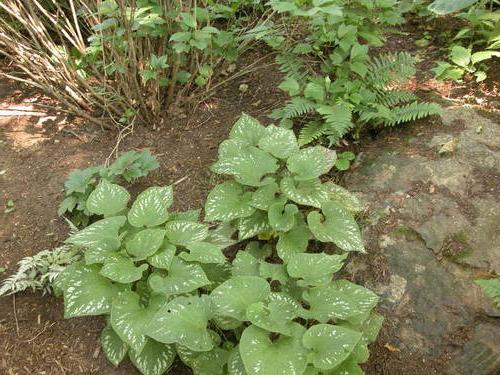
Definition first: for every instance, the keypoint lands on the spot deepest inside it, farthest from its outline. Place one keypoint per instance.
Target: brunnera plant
(167, 289)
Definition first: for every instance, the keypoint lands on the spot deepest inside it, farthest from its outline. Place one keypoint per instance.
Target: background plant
(167, 288)
(81, 183)
(491, 288)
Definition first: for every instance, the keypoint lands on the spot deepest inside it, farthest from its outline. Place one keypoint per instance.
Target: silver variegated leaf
(330, 344)
(314, 269)
(253, 225)
(107, 199)
(163, 257)
(279, 142)
(182, 278)
(307, 193)
(245, 264)
(294, 241)
(180, 232)
(311, 162)
(155, 359)
(101, 233)
(122, 269)
(228, 201)
(203, 252)
(336, 225)
(211, 362)
(150, 207)
(265, 196)
(183, 321)
(233, 297)
(145, 243)
(113, 347)
(247, 129)
(235, 364)
(282, 217)
(342, 195)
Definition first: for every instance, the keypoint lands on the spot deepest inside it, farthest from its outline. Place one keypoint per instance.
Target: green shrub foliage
(167, 288)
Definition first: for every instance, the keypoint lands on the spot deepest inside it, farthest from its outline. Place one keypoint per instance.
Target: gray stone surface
(438, 229)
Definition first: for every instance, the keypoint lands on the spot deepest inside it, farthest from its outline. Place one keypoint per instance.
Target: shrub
(167, 288)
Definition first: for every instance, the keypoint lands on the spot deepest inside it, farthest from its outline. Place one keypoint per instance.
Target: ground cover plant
(167, 288)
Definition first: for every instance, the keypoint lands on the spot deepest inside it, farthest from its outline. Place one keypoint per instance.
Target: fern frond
(411, 112)
(338, 120)
(290, 65)
(390, 98)
(390, 67)
(297, 106)
(311, 131)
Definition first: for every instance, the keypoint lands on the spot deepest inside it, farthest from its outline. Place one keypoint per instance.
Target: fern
(290, 65)
(338, 120)
(390, 67)
(297, 106)
(411, 112)
(39, 271)
(311, 131)
(391, 98)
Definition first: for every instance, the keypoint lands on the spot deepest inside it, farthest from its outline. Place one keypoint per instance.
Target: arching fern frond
(411, 112)
(290, 65)
(297, 106)
(390, 98)
(311, 131)
(390, 67)
(338, 120)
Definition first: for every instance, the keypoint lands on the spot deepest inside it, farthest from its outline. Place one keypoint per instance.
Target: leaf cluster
(167, 288)
(81, 183)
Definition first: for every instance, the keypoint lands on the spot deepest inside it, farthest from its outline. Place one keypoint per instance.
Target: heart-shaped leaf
(261, 356)
(183, 233)
(248, 130)
(311, 162)
(150, 207)
(204, 252)
(307, 193)
(340, 300)
(228, 201)
(249, 167)
(253, 225)
(294, 241)
(86, 292)
(145, 243)
(113, 347)
(101, 233)
(100, 252)
(129, 319)
(183, 321)
(182, 278)
(211, 362)
(245, 264)
(315, 268)
(336, 225)
(163, 257)
(282, 217)
(339, 194)
(233, 296)
(279, 142)
(154, 359)
(222, 235)
(273, 272)
(122, 269)
(107, 199)
(330, 344)
(265, 196)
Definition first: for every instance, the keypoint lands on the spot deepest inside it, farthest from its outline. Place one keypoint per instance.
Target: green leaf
(180, 232)
(100, 252)
(107, 199)
(154, 359)
(189, 20)
(461, 56)
(273, 272)
(86, 292)
(315, 91)
(182, 278)
(101, 233)
(129, 319)
(315, 268)
(248, 130)
(235, 364)
(245, 264)
(340, 300)
(122, 269)
(249, 167)
(145, 243)
(228, 201)
(336, 225)
(279, 142)
(443, 7)
(183, 321)
(163, 257)
(483, 55)
(231, 148)
(261, 356)
(265, 196)
(253, 225)
(204, 252)
(233, 297)
(190, 215)
(339, 194)
(290, 85)
(293, 242)
(113, 347)
(282, 217)
(330, 344)
(222, 235)
(211, 362)
(307, 193)
(79, 180)
(491, 288)
(310, 163)
(150, 207)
